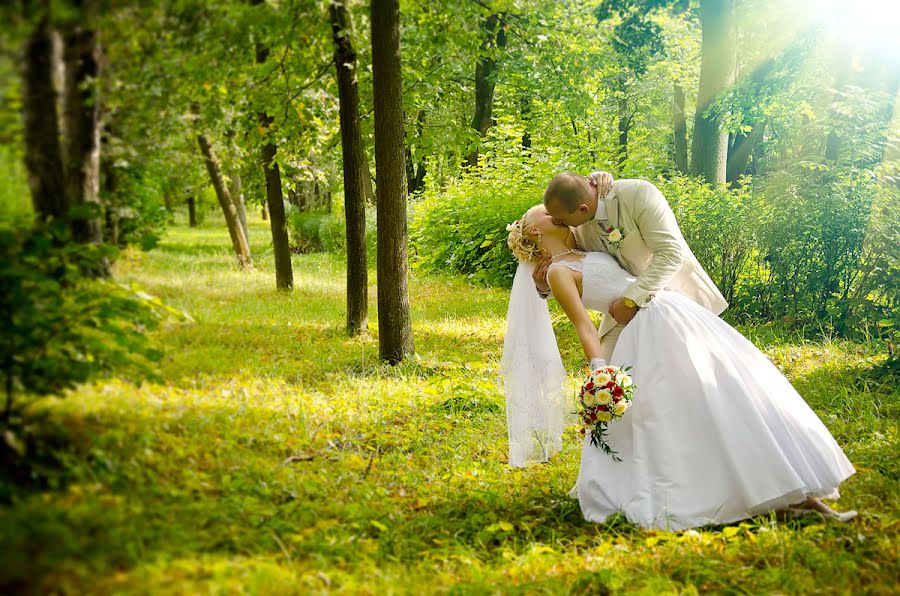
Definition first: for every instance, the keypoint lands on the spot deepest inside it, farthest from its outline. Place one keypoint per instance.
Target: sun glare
(870, 25)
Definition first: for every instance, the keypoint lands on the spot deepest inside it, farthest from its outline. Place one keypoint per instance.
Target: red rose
(616, 400)
(610, 230)
(581, 430)
(611, 384)
(589, 386)
(594, 414)
(618, 392)
(611, 370)
(603, 409)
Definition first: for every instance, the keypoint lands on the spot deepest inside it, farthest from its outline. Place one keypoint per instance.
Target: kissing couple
(715, 433)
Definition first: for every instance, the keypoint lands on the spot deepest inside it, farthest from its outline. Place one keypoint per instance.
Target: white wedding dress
(715, 433)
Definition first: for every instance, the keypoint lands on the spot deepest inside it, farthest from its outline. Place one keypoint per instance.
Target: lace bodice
(603, 279)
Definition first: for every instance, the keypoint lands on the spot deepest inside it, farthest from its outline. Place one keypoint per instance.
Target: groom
(630, 220)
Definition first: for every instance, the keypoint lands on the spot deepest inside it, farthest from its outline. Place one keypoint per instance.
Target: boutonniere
(615, 235)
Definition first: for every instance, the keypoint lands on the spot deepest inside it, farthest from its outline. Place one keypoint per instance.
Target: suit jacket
(652, 248)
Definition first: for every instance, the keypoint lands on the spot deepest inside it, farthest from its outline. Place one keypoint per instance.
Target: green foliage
(303, 230)
(716, 222)
(462, 228)
(61, 327)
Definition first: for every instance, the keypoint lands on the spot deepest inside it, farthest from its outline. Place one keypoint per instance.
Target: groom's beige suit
(652, 249)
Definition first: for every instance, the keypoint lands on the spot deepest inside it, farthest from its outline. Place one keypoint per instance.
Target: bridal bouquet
(605, 396)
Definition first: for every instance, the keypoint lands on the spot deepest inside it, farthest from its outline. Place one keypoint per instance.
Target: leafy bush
(303, 230)
(332, 231)
(714, 221)
(462, 228)
(61, 327)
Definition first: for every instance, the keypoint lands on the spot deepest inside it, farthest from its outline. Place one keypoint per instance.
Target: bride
(715, 434)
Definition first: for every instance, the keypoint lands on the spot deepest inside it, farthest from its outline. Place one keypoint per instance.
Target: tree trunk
(355, 170)
(486, 77)
(395, 339)
(192, 212)
(709, 152)
(265, 211)
(284, 271)
(238, 240)
(742, 149)
(82, 125)
(525, 112)
(681, 150)
(237, 195)
(43, 156)
(624, 126)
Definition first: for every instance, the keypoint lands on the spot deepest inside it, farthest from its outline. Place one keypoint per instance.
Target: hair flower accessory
(510, 227)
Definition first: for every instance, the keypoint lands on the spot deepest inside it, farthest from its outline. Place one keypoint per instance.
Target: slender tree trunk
(709, 152)
(43, 156)
(265, 212)
(284, 271)
(236, 191)
(355, 170)
(192, 212)
(494, 36)
(525, 112)
(82, 125)
(742, 150)
(238, 240)
(624, 126)
(394, 326)
(681, 150)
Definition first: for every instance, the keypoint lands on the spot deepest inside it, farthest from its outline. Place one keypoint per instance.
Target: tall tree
(709, 150)
(81, 55)
(355, 169)
(493, 38)
(680, 125)
(284, 272)
(238, 240)
(394, 326)
(43, 156)
(236, 190)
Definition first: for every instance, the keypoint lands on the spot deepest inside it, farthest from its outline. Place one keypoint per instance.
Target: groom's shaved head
(567, 190)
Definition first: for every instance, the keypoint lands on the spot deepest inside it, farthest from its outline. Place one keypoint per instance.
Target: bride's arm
(562, 283)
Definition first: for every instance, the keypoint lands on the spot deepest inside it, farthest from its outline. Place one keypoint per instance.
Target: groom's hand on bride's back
(540, 275)
(603, 181)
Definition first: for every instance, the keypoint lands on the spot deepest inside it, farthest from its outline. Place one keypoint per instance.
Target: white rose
(620, 407)
(615, 236)
(602, 379)
(603, 397)
(588, 399)
(604, 416)
(623, 380)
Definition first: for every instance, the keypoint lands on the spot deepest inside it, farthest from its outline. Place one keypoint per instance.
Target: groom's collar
(602, 213)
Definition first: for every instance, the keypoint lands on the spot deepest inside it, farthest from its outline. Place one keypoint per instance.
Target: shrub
(61, 327)
(303, 230)
(462, 228)
(715, 223)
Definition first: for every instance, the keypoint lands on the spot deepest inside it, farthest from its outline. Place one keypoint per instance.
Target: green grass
(279, 456)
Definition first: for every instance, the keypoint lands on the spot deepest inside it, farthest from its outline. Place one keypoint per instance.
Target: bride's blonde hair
(523, 246)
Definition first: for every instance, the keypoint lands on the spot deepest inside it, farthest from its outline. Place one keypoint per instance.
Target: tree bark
(238, 240)
(394, 326)
(355, 170)
(237, 195)
(742, 149)
(624, 126)
(192, 212)
(709, 152)
(265, 212)
(43, 156)
(681, 150)
(486, 78)
(284, 271)
(82, 125)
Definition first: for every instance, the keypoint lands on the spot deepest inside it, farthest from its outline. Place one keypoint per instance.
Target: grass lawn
(279, 456)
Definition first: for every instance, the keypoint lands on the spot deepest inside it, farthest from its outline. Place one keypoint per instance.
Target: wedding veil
(533, 375)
